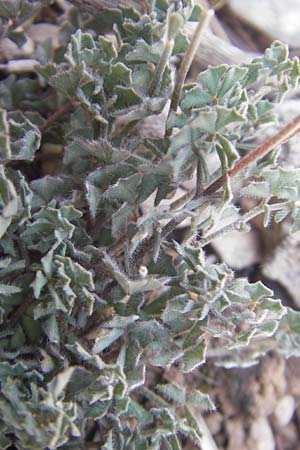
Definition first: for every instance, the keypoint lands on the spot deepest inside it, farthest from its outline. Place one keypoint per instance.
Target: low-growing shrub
(95, 289)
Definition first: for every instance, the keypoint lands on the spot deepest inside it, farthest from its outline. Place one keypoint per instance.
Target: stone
(284, 410)
(261, 435)
(284, 266)
(236, 434)
(238, 250)
(275, 18)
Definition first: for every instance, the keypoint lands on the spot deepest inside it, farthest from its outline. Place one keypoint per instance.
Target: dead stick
(58, 114)
(279, 138)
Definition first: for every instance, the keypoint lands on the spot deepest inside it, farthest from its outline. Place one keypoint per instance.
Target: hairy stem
(234, 225)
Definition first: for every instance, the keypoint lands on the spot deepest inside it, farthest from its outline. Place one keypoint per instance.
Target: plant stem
(159, 71)
(150, 395)
(279, 138)
(187, 60)
(64, 109)
(233, 226)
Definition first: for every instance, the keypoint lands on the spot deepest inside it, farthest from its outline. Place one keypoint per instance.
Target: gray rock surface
(278, 19)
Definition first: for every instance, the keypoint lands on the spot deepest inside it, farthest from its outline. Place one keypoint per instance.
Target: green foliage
(93, 291)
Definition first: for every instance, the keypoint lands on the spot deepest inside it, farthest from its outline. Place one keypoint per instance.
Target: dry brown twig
(279, 138)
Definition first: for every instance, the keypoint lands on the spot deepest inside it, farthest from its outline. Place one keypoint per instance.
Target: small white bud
(143, 271)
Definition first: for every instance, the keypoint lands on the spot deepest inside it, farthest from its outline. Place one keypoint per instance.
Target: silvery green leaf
(78, 275)
(6, 289)
(227, 116)
(107, 338)
(38, 283)
(80, 352)
(232, 76)
(68, 81)
(18, 339)
(258, 291)
(9, 9)
(98, 410)
(120, 220)
(194, 356)
(273, 307)
(93, 195)
(59, 383)
(172, 442)
(266, 329)
(121, 322)
(167, 418)
(80, 48)
(193, 429)
(8, 202)
(181, 43)
(172, 392)
(212, 77)
(136, 410)
(49, 188)
(258, 189)
(295, 72)
(201, 400)
(126, 96)
(163, 355)
(204, 123)
(293, 320)
(144, 285)
(144, 52)
(119, 75)
(50, 327)
(5, 147)
(195, 98)
(227, 148)
(25, 137)
(4, 263)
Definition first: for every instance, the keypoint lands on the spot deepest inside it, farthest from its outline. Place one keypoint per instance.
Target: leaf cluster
(93, 291)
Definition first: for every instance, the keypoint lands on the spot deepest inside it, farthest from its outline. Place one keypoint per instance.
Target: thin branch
(188, 58)
(68, 107)
(279, 138)
(148, 245)
(159, 71)
(234, 225)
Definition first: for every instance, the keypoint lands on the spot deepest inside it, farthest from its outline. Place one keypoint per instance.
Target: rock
(289, 155)
(284, 266)
(268, 400)
(272, 371)
(261, 436)
(236, 434)
(238, 250)
(277, 19)
(9, 49)
(292, 376)
(284, 410)
(40, 32)
(289, 437)
(214, 422)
